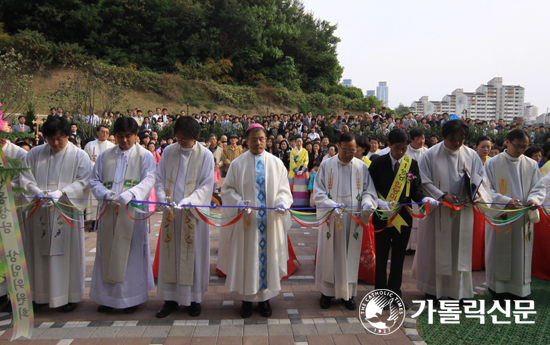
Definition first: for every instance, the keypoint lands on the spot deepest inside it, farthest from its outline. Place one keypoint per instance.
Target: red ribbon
(34, 210)
(149, 216)
(239, 216)
(491, 224)
(82, 227)
(312, 226)
(358, 221)
(388, 224)
(456, 208)
(420, 216)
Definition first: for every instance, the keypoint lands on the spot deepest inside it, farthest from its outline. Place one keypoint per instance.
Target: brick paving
(297, 317)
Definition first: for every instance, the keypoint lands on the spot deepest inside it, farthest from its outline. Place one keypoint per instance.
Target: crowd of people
(268, 165)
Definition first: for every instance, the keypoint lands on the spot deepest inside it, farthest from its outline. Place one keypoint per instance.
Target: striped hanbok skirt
(298, 186)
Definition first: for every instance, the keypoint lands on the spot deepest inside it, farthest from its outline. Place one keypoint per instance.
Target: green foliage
(329, 133)
(14, 166)
(167, 132)
(401, 110)
(247, 42)
(34, 47)
(5, 39)
(29, 115)
(210, 106)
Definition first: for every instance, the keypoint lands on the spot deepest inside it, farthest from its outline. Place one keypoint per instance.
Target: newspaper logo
(382, 312)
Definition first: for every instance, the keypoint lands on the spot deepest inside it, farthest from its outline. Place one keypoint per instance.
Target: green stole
(188, 220)
(117, 228)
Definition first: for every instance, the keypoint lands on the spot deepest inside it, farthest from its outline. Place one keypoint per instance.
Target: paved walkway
(297, 318)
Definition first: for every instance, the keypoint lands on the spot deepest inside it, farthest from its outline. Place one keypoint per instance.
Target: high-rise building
(530, 112)
(347, 82)
(370, 92)
(491, 101)
(382, 92)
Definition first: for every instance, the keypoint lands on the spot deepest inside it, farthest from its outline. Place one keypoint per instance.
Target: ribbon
(239, 216)
(129, 215)
(13, 261)
(311, 226)
(34, 210)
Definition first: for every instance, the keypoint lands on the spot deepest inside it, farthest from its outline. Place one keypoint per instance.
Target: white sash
(443, 235)
(332, 226)
(188, 220)
(117, 229)
(52, 231)
(503, 241)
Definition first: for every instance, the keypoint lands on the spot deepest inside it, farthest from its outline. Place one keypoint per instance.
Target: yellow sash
(367, 161)
(397, 188)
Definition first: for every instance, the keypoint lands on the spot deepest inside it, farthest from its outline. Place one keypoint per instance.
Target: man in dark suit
(283, 124)
(404, 170)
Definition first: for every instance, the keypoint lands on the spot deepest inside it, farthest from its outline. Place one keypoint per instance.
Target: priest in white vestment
(122, 276)
(515, 182)
(184, 176)
(54, 249)
(94, 149)
(14, 152)
(253, 252)
(415, 150)
(443, 260)
(344, 183)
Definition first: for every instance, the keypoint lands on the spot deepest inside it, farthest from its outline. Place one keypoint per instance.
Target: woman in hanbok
(298, 175)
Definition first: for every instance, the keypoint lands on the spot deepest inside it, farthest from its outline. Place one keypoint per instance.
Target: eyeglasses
(223, 142)
(346, 151)
(520, 147)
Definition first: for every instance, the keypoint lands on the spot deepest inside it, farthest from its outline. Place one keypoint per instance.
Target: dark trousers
(383, 241)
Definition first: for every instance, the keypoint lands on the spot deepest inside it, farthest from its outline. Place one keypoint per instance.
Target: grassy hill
(118, 89)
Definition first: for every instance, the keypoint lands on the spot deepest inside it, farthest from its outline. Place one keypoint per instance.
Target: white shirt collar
(393, 160)
(126, 153)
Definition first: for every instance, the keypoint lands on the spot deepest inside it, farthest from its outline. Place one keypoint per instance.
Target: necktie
(396, 168)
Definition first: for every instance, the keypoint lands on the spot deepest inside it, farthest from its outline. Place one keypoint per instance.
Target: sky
(432, 47)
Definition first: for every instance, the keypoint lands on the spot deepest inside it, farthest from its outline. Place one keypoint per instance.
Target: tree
(402, 110)
(15, 91)
(272, 42)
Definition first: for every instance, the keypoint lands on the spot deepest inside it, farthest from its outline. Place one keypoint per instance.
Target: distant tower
(382, 92)
(347, 82)
(370, 93)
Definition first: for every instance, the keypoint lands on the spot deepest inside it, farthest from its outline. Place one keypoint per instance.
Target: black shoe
(5, 305)
(130, 310)
(265, 309)
(4, 299)
(68, 307)
(324, 302)
(409, 252)
(195, 309)
(246, 310)
(167, 308)
(350, 304)
(104, 309)
(37, 306)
